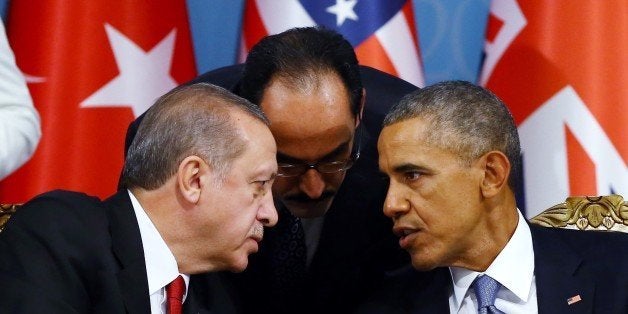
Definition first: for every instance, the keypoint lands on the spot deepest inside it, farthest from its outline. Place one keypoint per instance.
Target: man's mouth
(406, 235)
(304, 199)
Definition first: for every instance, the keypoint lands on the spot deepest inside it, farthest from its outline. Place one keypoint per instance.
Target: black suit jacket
(356, 245)
(66, 252)
(567, 263)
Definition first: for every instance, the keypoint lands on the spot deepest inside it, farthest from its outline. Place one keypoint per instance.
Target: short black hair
(463, 118)
(298, 53)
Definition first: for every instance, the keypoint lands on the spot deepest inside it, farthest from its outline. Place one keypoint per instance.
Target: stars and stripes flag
(92, 67)
(562, 68)
(382, 32)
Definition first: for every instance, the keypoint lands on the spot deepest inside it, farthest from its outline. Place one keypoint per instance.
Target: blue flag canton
(371, 15)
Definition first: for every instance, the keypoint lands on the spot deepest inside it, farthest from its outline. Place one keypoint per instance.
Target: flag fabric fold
(562, 68)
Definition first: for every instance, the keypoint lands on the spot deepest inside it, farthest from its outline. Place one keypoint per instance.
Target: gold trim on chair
(6, 210)
(587, 213)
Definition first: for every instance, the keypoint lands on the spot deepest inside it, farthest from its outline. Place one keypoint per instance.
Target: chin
(422, 263)
(305, 211)
(239, 265)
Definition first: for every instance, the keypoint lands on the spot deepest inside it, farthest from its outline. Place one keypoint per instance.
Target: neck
(164, 212)
(491, 236)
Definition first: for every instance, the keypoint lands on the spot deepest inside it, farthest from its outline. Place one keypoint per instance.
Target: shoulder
(56, 211)
(382, 92)
(60, 202)
(375, 78)
(579, 239)
(227, 77)
(598, 249)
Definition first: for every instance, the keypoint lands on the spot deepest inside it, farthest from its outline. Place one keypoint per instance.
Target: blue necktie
(486, 289)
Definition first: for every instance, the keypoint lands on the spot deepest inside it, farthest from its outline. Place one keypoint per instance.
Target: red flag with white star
(382, 32)
(92, 67)
(562, 68)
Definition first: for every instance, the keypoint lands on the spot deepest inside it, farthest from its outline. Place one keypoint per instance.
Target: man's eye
(411, 176)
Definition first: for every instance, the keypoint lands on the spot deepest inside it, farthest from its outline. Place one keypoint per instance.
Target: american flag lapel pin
(574, 299)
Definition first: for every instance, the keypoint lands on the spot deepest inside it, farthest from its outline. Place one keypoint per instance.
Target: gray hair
(465, 119)
(189, 120)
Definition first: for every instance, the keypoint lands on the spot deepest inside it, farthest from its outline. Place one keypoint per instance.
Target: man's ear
(496, 168)
(362, 104)
(190, 177)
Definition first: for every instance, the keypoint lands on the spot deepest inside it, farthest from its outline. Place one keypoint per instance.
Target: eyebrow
(261, 174)
(337, 151)
(407, 167)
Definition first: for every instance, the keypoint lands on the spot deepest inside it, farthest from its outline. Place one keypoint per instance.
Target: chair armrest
(608, 212)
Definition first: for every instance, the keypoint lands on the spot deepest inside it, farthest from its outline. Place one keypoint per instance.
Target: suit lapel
(434, 297)
(126, 243)
(422, 292)
(191, 306)
(558, 275)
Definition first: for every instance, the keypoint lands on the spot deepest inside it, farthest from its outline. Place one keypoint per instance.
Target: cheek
(334, 180)
(283, 185)
(238, 212)
(239, 225)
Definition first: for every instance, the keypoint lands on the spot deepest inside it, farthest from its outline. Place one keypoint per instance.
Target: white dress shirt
(161, 267)
(19, 121)
(513, 268)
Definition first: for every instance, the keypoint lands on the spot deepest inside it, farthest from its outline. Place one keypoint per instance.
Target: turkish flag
(562, 68)
(92, 67)
(382, 32)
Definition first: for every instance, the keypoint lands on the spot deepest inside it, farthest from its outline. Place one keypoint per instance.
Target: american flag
(383, 32)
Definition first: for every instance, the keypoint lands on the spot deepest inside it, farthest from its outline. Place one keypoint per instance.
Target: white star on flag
(343, 10)
(143, 76)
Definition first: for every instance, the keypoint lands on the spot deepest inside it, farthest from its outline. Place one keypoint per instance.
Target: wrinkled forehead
(420, 135)
(409, 131)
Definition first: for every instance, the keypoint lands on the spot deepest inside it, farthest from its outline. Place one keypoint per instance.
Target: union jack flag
(383, 32)
(562, 68)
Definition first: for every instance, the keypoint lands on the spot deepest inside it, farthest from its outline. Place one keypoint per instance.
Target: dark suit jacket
(66, 252)
(356, 245)
(567, 263)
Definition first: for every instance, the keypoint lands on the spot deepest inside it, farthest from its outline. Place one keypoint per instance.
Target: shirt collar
(513, 267)
(161, 266)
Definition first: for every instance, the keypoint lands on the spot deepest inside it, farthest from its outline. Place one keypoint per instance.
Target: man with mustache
(332, 243)
(197, 195)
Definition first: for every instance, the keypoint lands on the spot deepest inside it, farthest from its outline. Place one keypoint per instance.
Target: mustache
(258, 231)
(303, 198)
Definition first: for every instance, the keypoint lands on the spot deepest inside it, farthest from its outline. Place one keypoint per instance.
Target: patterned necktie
(289, 258)
(486, 289)
(174, 296)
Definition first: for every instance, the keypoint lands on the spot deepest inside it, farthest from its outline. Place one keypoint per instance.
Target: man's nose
(312, 183)
(267, 213)
(395, 204)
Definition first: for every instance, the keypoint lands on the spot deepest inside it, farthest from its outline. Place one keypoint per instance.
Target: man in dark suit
(451, 152)
(198, 197)
(309, 84)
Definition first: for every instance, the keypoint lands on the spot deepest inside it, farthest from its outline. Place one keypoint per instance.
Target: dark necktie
(486, 289)
(174, 296)
(290, 253)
